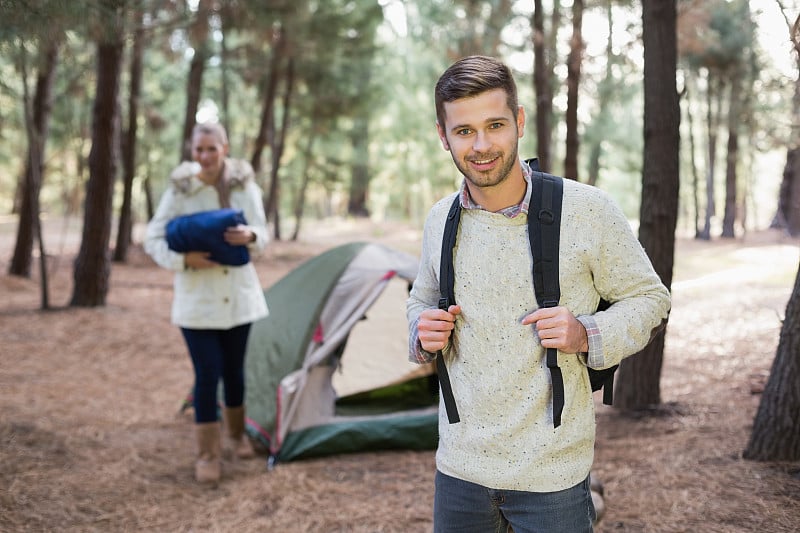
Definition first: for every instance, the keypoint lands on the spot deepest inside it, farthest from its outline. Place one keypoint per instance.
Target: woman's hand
(240, 235)
(198, 260)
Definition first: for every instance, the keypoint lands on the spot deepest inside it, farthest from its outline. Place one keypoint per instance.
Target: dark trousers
(216, 354)
(463, 507)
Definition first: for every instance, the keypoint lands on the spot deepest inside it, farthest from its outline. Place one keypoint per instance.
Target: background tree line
(331, 103)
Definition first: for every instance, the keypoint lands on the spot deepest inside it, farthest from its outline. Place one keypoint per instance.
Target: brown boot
(207, 468)
(239, 441)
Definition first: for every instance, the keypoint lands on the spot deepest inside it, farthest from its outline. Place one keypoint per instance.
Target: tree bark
(788, 214)
(693, 160)
(300, 198)
(604, 93)
(713, 97)
(776, 428)
(125, 225)
(266, 129)
(638, 385)
(542, 87)
(359, 137)
(789, 196)
(226, 15)
(359, 181)
(279, 142)
(194, 82)
(732, 156)
(483, 37)
(37, 120)
(194, 85)
(92, 265)
(574, 61)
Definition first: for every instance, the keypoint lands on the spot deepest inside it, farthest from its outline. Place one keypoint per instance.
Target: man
(504, 464)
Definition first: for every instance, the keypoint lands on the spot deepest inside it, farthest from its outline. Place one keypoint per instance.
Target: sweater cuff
(415, 352)
(594, 357)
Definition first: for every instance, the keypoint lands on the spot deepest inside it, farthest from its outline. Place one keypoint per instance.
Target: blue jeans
(464, 507)
(216, 354)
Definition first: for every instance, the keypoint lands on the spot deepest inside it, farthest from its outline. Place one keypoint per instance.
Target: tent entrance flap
(375, 351)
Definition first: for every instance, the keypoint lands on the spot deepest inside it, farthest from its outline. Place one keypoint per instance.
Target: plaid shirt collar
(511, 211)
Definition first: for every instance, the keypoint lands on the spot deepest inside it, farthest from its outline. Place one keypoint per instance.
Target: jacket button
(226, 300)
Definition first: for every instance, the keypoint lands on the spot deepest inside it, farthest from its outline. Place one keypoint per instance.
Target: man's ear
(442, 136)
(521, 121)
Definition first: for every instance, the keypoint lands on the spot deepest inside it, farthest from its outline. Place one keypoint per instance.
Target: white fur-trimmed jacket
(221, 297)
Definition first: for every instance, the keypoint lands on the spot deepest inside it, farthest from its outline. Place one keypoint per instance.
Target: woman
(213, 304)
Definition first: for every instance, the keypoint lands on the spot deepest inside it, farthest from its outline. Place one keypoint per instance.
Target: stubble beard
(491, 178)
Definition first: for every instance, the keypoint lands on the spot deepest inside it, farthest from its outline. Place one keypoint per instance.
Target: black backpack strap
(544, 232)
(447, 298)
(608, 388)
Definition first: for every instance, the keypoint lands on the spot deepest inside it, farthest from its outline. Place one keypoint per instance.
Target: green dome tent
(327, 371)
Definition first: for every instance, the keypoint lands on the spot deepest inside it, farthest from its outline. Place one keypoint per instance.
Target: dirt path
(91, 437)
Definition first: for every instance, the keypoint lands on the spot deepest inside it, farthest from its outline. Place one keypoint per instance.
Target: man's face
(482, 136)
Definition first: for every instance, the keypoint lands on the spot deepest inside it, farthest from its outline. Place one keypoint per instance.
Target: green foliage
(349, 62)
(724, 33)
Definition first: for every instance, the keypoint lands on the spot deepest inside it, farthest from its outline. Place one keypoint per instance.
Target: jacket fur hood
(236, 173)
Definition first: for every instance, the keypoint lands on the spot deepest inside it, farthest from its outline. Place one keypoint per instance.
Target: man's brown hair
(471, 76)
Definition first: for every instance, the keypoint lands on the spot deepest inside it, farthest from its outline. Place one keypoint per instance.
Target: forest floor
(92, 437)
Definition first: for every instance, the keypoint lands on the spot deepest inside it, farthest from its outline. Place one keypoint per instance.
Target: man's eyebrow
(487, 121)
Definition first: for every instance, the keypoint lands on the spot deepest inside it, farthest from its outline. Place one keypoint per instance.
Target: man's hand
(435, 326)
(558, 328)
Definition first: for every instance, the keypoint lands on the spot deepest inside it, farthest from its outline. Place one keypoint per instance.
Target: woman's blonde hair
(211, 128)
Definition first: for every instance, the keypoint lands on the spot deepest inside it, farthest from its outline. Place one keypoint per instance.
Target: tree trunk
(604, 93)
(732, 156)
(300, 199)
(194, 86)
(638, 385)
(542, 87)
(595, 151)
(555, 83)
(37, 120)
(359, 182)
(788, 214)
(776, 428)
(789, 203)
(574, 61)
(279, 142)
(226, 16)
(713, 98)
(92, 265)
(149, 197)
(360, 139)
(266, 129)
(194, 83)
(482, 38)
(693, 162)
(125, 226)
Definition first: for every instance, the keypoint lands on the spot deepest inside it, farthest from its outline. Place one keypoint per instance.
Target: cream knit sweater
(501, 383)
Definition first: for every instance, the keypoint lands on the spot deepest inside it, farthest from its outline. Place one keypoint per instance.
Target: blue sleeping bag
(203, 232)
